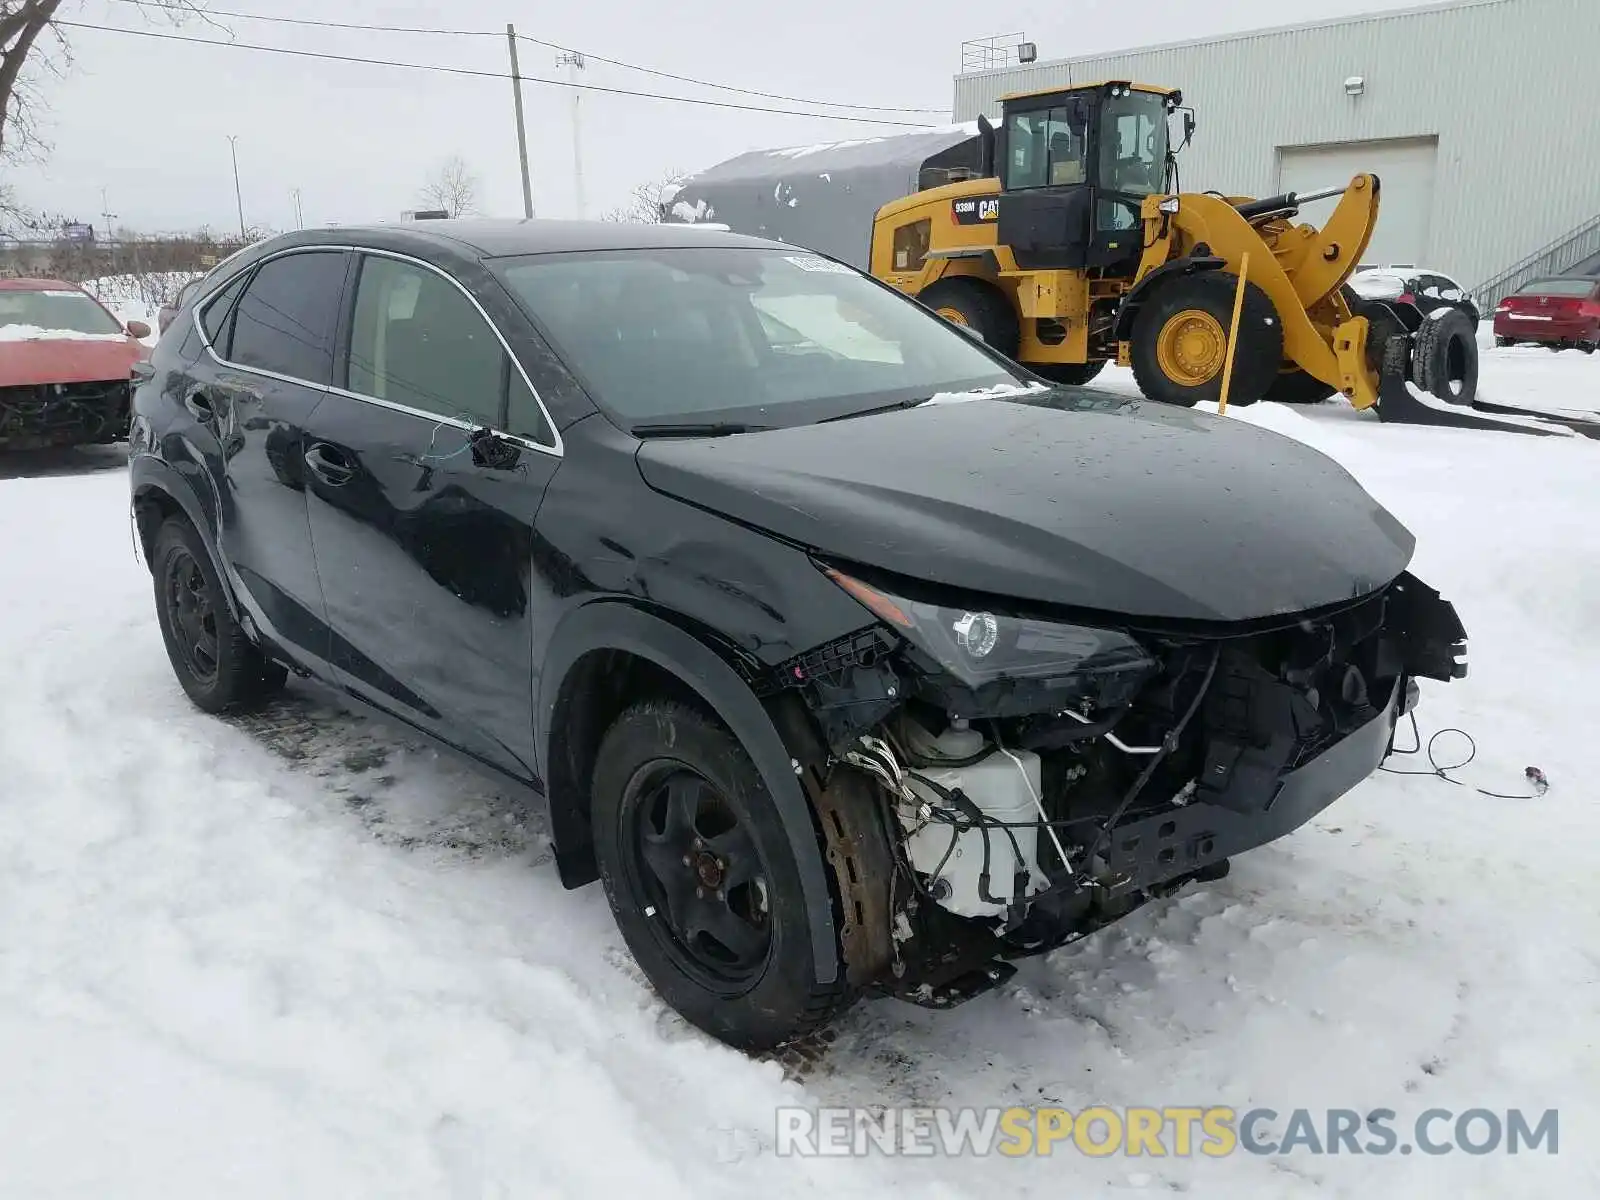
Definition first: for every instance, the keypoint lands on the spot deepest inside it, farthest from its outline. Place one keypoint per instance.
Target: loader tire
(1296, 387)
(1180, 341)
(1075, 374)
(1445, 359)
(979, 306)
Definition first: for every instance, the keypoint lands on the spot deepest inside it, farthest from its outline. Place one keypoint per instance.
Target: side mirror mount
(138, 329)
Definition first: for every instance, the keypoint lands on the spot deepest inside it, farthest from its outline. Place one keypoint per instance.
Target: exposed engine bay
(1036, 780)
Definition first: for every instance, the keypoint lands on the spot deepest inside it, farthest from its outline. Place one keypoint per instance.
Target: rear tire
(733, 958)
(1180, 342)
(217, 665)
(1503, 342)
(1074, 374)
(978, 305)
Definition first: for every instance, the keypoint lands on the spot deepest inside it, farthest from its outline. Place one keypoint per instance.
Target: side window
(1047, 147)
(911, 245)
(524, 417)
(418, 341)
(215, 318)
(286, 317)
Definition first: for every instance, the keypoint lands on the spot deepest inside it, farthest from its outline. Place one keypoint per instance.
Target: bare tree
(452, 187)
(647, 202)
(33, 40)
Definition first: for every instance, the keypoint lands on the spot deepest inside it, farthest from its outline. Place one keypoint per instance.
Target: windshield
(1133, 143)
(762, 337)
(68, 311)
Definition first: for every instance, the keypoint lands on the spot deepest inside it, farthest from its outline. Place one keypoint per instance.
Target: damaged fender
(612, 625)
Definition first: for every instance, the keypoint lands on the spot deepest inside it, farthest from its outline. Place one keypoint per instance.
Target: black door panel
(426, 558)
(282, 325)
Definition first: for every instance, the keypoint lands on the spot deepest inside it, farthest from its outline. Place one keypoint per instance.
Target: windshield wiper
(694, 429)
(882, 408)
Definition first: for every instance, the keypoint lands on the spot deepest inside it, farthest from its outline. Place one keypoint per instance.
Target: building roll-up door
(1405, 170)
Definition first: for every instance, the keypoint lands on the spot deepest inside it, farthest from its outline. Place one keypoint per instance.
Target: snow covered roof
(897, 150)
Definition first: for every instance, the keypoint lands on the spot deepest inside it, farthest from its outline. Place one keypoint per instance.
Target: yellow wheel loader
(1072, 248)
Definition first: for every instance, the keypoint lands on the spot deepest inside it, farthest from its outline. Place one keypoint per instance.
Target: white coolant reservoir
(998, 786)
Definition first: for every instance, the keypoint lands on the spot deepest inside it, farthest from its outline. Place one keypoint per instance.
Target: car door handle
(200, 405)
(329, 464)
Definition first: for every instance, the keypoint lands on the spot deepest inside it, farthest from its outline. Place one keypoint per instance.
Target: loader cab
(1074, 166)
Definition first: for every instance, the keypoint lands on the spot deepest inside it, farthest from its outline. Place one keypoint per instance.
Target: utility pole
(108, 215)
(299, 214)
(238, 196)
(522, 132)
(574, 63)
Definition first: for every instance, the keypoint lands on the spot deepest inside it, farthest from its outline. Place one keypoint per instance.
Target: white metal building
(1481, 118)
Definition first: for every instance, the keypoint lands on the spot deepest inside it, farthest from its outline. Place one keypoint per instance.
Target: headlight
(978, 647)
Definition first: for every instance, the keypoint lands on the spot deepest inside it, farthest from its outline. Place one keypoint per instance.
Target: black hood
(1089, 500)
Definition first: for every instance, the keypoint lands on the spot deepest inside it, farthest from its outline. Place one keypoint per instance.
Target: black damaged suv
(849, 655)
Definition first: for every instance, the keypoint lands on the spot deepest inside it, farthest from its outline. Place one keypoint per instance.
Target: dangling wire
(1535, 777)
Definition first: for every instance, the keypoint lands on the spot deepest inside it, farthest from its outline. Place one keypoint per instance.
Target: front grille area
(61, 414)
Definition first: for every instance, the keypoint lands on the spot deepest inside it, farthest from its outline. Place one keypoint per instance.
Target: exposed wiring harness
(1168, 744)
(1535, 777)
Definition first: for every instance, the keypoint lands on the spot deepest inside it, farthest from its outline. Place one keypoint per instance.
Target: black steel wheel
(216, 663)
(703, 880)
(686, 848)
(190, 607)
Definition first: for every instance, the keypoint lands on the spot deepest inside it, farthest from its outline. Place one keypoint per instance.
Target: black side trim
(1143, 290)
(613, 625)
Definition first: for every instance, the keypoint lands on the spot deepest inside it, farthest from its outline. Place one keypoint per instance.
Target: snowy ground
(297, 955)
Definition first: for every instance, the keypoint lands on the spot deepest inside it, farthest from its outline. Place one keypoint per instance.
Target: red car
(65, 366)
(1562, 312)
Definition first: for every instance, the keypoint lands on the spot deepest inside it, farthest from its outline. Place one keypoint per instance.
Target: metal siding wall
(1507, 86)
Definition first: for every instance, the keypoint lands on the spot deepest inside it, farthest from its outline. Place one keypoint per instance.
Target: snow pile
(32, 333)
(299, 955)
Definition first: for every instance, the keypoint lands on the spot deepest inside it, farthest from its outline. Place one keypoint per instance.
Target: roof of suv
(497, 238)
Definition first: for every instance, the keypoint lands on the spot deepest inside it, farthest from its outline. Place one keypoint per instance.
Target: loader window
(1133, 144)
(911, 245)
(1046, 147)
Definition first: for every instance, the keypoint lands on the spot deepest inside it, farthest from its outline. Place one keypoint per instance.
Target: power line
(613, 62)
(727, 87)
(481, 74)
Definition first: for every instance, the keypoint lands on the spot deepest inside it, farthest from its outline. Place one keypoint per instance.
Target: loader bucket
(1402, 401)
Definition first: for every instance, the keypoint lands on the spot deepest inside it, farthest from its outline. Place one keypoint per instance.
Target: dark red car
(1561, 313)
(65, 366)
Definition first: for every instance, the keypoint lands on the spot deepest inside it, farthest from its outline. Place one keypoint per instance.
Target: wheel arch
(159, 492)
(1146, 287)
(587, 643)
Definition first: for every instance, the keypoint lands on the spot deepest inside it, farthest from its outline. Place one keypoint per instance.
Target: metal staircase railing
(1566, 252)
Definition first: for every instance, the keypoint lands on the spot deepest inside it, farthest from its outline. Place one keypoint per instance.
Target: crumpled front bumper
(1178, 842)
(35, 416)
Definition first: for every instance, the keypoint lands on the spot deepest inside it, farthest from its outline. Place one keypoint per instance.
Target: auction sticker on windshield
(810, 262)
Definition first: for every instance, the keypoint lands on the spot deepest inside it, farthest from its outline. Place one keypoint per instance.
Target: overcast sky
(149, 120)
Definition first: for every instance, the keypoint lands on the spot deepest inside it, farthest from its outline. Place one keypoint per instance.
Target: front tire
(217, 665)
(1180, 342)
(702, 880)
(1297, 387)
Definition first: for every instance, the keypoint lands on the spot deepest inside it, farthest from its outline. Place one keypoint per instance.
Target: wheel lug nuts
(700, 893)
(686, 860)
